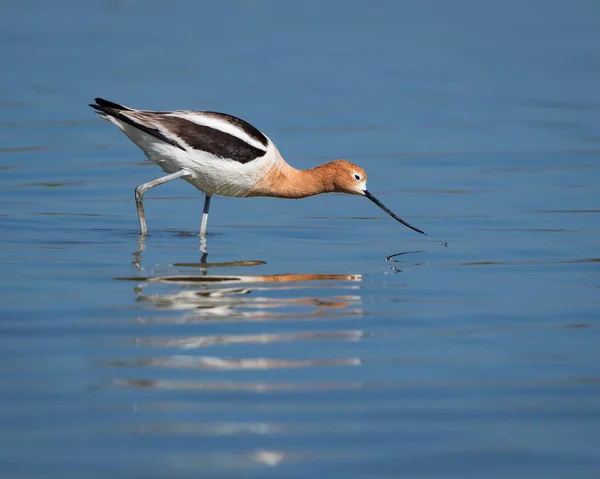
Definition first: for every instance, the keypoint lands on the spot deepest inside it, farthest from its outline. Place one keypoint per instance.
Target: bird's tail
(104, 107)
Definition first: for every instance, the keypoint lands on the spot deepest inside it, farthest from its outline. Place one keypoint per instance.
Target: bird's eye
(357, 177)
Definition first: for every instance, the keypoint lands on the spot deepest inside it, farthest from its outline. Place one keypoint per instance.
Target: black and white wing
(218, 134)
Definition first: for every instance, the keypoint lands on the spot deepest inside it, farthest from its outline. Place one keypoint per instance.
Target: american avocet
(222, 155)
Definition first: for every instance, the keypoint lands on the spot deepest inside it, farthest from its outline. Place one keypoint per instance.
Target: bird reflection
(205, 296)
(213, 298)
(193, 293)
(251, 299)
(203, 263)
(137, 255)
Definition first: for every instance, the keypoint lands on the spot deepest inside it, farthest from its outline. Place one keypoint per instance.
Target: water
(299, 350)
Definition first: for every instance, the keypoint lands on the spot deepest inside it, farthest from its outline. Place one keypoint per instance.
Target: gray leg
(139, 195)
(205, 215)
(203, 248)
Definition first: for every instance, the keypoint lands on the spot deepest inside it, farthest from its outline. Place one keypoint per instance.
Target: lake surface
(319, 338)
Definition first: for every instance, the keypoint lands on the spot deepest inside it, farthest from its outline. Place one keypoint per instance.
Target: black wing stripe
(246, 127)
(197, 137)
(211, 140)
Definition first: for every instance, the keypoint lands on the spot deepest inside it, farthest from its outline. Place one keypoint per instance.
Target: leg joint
(139, 192)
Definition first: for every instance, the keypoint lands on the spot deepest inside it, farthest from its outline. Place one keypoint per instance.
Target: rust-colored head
(345, 177)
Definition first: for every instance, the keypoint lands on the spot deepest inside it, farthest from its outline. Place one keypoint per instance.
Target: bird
(221, 154)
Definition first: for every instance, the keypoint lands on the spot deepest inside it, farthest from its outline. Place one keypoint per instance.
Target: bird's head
(347, 177)
(351, 179)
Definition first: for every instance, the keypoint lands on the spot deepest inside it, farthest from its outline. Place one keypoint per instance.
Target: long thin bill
(389, 212)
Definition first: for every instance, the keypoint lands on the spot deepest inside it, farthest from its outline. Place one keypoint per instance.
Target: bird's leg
(205, 215)
(203, 249)
(141, 190)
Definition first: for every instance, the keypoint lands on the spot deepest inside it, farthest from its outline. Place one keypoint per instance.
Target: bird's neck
(284, 181)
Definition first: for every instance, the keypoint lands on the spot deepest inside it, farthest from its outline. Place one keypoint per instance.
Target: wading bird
(222, 155)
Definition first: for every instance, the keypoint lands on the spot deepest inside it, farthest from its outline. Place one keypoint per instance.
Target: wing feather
(218, 134)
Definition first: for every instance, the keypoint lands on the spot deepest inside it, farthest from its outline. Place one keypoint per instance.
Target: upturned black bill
(397, 218)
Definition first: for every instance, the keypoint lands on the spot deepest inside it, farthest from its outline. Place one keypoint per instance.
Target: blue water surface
(305, 345)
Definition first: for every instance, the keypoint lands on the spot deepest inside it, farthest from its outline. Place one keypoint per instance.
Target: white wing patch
(219, 124)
